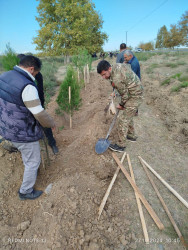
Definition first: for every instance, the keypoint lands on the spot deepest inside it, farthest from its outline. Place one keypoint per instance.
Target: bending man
(22, 118)
(130, 89)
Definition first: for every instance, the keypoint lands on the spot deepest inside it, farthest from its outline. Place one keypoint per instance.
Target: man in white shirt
(22, 118)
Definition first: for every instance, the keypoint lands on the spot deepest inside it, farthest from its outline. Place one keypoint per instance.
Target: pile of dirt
(67, 217)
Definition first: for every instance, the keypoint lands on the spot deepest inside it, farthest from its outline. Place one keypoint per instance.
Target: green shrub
(10, 58)
(63, 97)
(166, 82)
(177, 88)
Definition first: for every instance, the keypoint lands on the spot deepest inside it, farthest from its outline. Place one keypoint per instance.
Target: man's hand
(113, 84)
(120, 107)
(54, 128)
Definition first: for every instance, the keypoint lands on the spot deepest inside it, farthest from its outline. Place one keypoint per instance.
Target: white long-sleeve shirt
(31, 100)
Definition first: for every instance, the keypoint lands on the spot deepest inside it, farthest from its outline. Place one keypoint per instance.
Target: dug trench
(67, 217)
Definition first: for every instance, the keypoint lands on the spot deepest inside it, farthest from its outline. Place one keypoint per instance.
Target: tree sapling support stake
(70, 104)
(87, 73)
(164, 182)
(141, 196)
(139, 204)
(109, 188)
(164, 205)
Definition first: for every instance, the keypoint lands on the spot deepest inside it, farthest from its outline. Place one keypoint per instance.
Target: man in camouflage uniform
(127, 83)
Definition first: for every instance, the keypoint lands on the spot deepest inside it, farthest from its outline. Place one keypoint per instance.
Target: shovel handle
(112, 124)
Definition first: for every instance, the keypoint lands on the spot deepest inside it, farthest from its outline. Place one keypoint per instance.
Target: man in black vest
(47, 131)
(22, 118)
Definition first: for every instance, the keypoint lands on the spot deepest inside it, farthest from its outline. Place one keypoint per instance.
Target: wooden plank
(144, 228)
(164, 182)
(141, 196)
(164, 205)
(109, 188)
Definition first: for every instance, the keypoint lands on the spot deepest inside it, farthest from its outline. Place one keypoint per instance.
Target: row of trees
(146, 46)
(68, 25)
(176, 36)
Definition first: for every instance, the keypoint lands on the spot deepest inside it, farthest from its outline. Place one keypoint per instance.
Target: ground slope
(67, 217)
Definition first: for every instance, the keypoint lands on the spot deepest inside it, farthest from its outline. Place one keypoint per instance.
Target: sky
(128, 21)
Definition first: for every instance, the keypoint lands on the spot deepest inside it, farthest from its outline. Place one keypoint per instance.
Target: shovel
(103, 144)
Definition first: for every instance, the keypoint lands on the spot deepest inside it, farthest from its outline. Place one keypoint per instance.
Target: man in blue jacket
(133, 61)
(22, 117)
(135, 66)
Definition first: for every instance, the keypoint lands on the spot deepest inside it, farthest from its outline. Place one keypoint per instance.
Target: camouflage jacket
(127, 84)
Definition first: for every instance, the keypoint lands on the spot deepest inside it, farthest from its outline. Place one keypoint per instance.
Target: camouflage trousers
(125, 122)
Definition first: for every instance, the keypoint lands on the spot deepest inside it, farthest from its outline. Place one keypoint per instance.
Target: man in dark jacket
(133, 61)
(22, 118)
(120, 56)
(47, 131)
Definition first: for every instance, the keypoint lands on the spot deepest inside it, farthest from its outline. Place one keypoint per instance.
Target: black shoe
(10, 148)
(55, 149)
(116, 148)
(31, 196)
(131, 137)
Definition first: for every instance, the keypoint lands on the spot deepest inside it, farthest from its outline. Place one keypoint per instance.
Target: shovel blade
(101, 146)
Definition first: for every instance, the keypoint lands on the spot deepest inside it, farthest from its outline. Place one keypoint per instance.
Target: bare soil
(66, 218)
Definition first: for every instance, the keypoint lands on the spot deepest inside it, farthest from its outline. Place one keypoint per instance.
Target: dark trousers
(49, 135)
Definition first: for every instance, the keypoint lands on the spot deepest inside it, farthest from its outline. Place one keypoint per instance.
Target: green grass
(50, 66)
(166, 82)
(153, 66)
(172, 65)
(176, 75)
(149, 70)
(1, 65)
(58, 111)
(183, 78)
(144, 56)
(177, 88)
(61, 128)
(181, 63)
